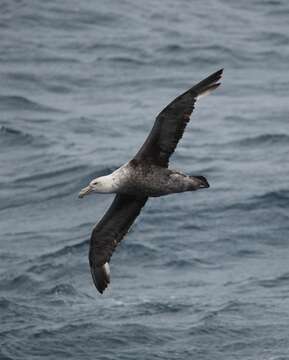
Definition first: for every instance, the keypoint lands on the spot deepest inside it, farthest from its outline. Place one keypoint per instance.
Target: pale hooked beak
(85, 191)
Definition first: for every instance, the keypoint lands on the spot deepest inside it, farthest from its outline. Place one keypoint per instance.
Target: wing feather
(108, 233)
(171, 122)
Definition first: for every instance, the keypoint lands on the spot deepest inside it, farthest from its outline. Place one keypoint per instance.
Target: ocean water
(201, 275)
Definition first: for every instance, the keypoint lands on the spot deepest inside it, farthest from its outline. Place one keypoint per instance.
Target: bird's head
(101, 184)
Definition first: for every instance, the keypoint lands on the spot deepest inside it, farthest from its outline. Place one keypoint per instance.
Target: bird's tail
(100, 276)
(209, 84)
(199, 182)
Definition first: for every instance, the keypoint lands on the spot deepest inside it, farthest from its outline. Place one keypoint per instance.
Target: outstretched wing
(108, 233)
(171, 122)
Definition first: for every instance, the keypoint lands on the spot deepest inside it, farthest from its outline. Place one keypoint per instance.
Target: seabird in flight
(146, 175)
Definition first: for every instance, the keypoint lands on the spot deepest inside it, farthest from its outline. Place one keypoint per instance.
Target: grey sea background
(201, 275)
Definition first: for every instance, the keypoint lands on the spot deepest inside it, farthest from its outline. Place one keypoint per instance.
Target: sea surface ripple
(202, 275)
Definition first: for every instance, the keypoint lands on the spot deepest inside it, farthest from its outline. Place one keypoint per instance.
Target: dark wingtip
(213, 78)
(100, 276)
(219, 73)
(208, 84)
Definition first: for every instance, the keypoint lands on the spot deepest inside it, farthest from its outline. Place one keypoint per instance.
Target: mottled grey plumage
(146, 175)
(141, 178)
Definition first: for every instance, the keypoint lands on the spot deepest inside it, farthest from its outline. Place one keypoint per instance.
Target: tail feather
(200, 181)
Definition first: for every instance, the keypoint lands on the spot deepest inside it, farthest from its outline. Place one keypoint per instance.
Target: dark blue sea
(201, 275)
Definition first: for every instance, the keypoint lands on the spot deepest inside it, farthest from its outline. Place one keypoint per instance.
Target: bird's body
(142, 179)
(146, 175)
